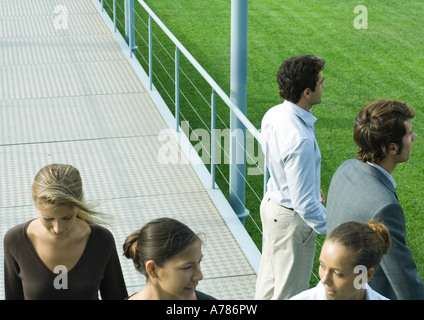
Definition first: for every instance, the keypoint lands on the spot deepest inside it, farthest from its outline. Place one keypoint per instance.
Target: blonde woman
(63, 253)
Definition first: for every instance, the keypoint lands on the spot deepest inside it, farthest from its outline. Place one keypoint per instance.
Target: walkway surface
(70, 95)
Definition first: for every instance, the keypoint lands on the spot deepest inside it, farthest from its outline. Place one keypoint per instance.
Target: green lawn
(383, 61)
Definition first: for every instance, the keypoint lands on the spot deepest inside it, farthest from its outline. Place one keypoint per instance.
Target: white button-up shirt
(318, 293)
(294, 162)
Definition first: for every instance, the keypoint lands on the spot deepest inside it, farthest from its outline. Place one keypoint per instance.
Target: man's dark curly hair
(297, 74)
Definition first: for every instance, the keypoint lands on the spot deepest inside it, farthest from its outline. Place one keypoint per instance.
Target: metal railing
(216, 90)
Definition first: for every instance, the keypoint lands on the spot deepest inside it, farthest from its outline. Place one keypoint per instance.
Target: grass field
(383, 61)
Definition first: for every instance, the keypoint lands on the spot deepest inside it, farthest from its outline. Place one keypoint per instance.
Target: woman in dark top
(64, 253)
(168, 253)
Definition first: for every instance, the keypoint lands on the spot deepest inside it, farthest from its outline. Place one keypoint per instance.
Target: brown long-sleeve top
(97, 270)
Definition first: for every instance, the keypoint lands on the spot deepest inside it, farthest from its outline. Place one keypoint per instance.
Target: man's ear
(393, 148)
(306, 93)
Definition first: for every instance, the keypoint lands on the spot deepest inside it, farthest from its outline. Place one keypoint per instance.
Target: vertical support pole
(129, 25)
(177, 90)
(103, 6)
(213, 146)
(238, 95)
(150, 53)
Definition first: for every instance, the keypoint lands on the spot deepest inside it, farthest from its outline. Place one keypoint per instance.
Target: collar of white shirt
(388, 175)
(318, 293)
(306, 116)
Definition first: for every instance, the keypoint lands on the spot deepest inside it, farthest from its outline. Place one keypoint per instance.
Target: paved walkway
(72, 96)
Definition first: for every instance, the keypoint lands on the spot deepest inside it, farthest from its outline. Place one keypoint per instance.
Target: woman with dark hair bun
(349, 257)
(168, 254)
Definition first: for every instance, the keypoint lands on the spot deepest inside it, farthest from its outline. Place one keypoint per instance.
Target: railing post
(213, 125)
(114, 15)
(129, 25)
(177, 89)
(238, 95)
(266, 171)
(150, 53)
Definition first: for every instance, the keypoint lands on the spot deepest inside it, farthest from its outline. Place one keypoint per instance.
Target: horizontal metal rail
(217, 89)
(236, 188)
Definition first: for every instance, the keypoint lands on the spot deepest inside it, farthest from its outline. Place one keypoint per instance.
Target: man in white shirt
(292, 210)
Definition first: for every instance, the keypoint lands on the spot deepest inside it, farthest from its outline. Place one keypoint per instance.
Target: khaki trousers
(287, 254)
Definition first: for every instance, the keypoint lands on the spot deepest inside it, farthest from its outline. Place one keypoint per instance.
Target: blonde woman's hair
(61, 184)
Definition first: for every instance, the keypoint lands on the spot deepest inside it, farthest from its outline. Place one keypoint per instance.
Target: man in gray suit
(363, 189)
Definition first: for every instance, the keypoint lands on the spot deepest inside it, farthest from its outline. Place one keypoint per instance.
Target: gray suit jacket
(360, 192)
